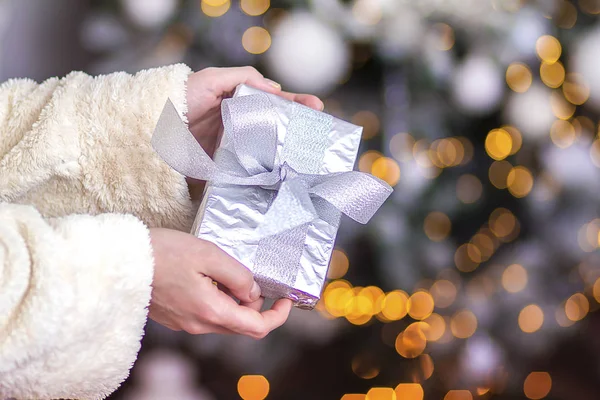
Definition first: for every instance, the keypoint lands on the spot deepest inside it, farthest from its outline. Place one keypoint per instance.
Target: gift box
(282, 176)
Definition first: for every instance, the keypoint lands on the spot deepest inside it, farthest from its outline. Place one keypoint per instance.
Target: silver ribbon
(248, 156)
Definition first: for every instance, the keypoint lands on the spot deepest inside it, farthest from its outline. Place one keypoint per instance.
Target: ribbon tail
(176, 145)
(291, 208)
(356, 194)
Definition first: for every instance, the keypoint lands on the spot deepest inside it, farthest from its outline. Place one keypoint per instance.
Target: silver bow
(248, 157)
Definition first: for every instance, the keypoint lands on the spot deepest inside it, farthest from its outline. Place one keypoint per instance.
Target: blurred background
(478, 279)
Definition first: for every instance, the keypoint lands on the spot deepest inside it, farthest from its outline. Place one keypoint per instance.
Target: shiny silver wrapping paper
(229, 215)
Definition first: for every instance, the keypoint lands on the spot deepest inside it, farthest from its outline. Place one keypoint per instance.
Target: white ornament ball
(307, 55)
(586, 61)
(478, 85)
(531, 111)
(149, 13)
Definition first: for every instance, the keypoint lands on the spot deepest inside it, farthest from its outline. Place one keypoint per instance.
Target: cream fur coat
(79, 187)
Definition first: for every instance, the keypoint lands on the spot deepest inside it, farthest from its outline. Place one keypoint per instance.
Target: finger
(225, 80)
(307, 99)
(230, 273)
(199, 328)
(255, 305)
(249, 322)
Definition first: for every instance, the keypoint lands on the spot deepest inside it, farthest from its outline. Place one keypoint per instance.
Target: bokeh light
(498, 173)
(514, 278)
(468, 188)
(255, 7)
(518, 77)
(590, 6)
(253, 387)
(338, 266)
(531, 318)
(498, 144)
(409, 391)
(502, 222)
(553, 75)
(443, 293)
(515, 135)
(366, 160)
(420, 305)
(215, 8)
(367, 12)
(369, 121)
(394, 305)
(386, 169)
(401, 146)
(426, 364)
(412, 341)
(519, 181)
(595, 152)
(437, 226)
(537, 385)
(354, 396)
(561, 108)
(562, 134)
(458, 395)
(365, 367)
(576, 89)
(577, 307)
(463, 324)
(548, 49)
(435, 328)
(464, 257)
(256, 40)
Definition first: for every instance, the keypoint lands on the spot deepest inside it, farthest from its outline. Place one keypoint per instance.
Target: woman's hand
(205, 91)
(184, 296)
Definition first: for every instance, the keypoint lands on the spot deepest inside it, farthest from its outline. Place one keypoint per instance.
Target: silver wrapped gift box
(281, 178)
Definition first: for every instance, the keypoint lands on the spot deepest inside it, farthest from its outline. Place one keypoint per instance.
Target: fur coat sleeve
(79, 187)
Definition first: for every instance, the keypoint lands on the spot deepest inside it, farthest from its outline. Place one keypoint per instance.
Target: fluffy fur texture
(79, 184)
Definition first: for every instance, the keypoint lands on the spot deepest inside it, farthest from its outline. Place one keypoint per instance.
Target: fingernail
(273, 83)
(322, 106)
(255, 292)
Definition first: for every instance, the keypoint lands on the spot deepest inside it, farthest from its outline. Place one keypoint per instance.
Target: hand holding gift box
(281, 178)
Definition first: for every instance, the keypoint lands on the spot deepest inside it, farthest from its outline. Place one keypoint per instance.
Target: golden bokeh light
(588, 236)
(537, 385)
(467, 148)
(215, 8)
(394, 305)
(401, 146)
(458, 395)
(565, 16)
(514, 278)
(463, 324)
(255, 7)
(364, 367)
(463, 257)
(553, 75)
(561, 317)
(595, 152)
(369, 121)
(531, 318)
(253, 387)
(590, 6)
(562, 133)
(354, 396)
(575, 89)
(561, 108)
(444, 36)
(366, 160)
(435, 328)
(519, 181)
(256, 40)
(515, 135)
(548, 49)
(577, 307)
(596, 289)
(443, 293)
(498, 173)
(375, 296)
(420, 305)
(502, 222)
(468, 188)
(482, 390)
(485, 246)
(409, 391)
(411, 342)
(584, 127)
(338, 266)
(386, 169)
(427, 366)
(437, 226)
(498, 144)
(446, 152)
(518, 77)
